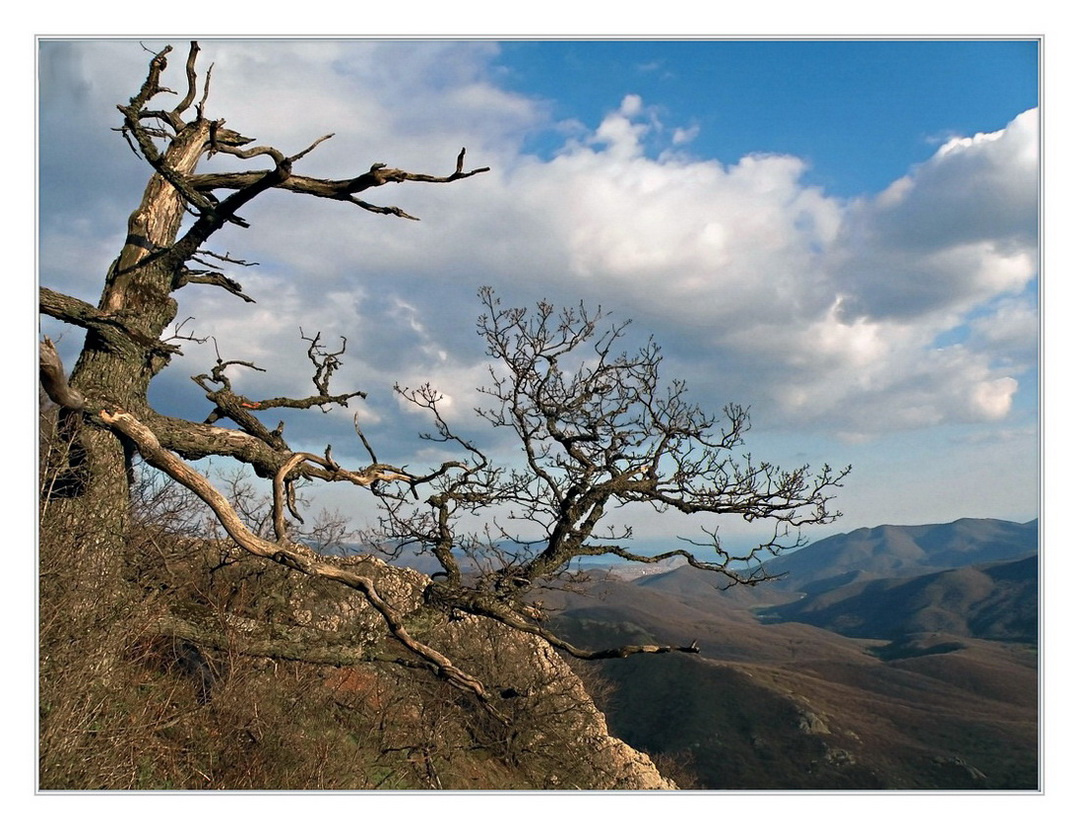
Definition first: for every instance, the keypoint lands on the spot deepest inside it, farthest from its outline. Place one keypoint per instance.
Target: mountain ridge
(884, 551)
(996, 601)
(908, 550)
(943, 697)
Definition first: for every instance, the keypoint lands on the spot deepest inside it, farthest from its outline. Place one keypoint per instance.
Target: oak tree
(596, 427)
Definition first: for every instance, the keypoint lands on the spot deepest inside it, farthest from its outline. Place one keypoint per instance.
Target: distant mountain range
(891, 657)
(997, 602)
(894, 551)
(881, 552)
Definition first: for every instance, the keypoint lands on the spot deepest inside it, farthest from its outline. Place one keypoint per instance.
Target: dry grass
(125, 706)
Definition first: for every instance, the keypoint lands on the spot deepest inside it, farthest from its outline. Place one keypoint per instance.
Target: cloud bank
(910, 308)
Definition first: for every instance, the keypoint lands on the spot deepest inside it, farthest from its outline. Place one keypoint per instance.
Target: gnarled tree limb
(54, 379)
(483, 603)
(290, 554)
(245, 637)
(113, 330)
(338, 189)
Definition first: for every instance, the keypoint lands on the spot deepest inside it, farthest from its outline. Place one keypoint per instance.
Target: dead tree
(596, 434)
(105, 396)
(596, 431)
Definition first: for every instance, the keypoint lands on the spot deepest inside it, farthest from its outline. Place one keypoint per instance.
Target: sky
(841, 235)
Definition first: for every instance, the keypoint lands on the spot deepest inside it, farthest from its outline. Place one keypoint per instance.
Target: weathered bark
(119, 360)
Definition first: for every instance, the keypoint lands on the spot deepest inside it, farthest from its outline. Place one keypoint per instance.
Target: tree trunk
(118, 372)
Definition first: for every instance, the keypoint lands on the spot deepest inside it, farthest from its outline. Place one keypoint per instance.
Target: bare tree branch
(203, 277)
(290, 555)
(54, 379)
(339, 189)
(115, 331)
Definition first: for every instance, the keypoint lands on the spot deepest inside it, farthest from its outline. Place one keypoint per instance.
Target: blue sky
(860, 112)
(842, 235)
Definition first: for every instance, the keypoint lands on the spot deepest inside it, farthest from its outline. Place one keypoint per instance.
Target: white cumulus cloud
(762, 289)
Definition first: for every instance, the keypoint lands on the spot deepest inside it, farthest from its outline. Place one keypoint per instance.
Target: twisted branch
(343, 190)
(289, 554)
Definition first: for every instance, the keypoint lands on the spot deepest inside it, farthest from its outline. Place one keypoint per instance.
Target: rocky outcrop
(549, 705)
(555, 725)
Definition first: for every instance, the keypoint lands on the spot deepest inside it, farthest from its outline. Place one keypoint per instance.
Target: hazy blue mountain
(888, 551)
(891, 551)
(997, 601)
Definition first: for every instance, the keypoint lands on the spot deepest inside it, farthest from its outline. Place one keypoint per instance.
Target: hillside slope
(343, 708)
(927, 704)
(998, 602)
(891, 551)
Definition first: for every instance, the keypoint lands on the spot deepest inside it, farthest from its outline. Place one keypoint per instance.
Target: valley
(892, 658)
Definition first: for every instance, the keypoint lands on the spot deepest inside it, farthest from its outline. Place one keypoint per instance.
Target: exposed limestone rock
(546, 692)
(957, 762)
(812, 724)
(335, 608)
(553, 717)
(839, 757)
